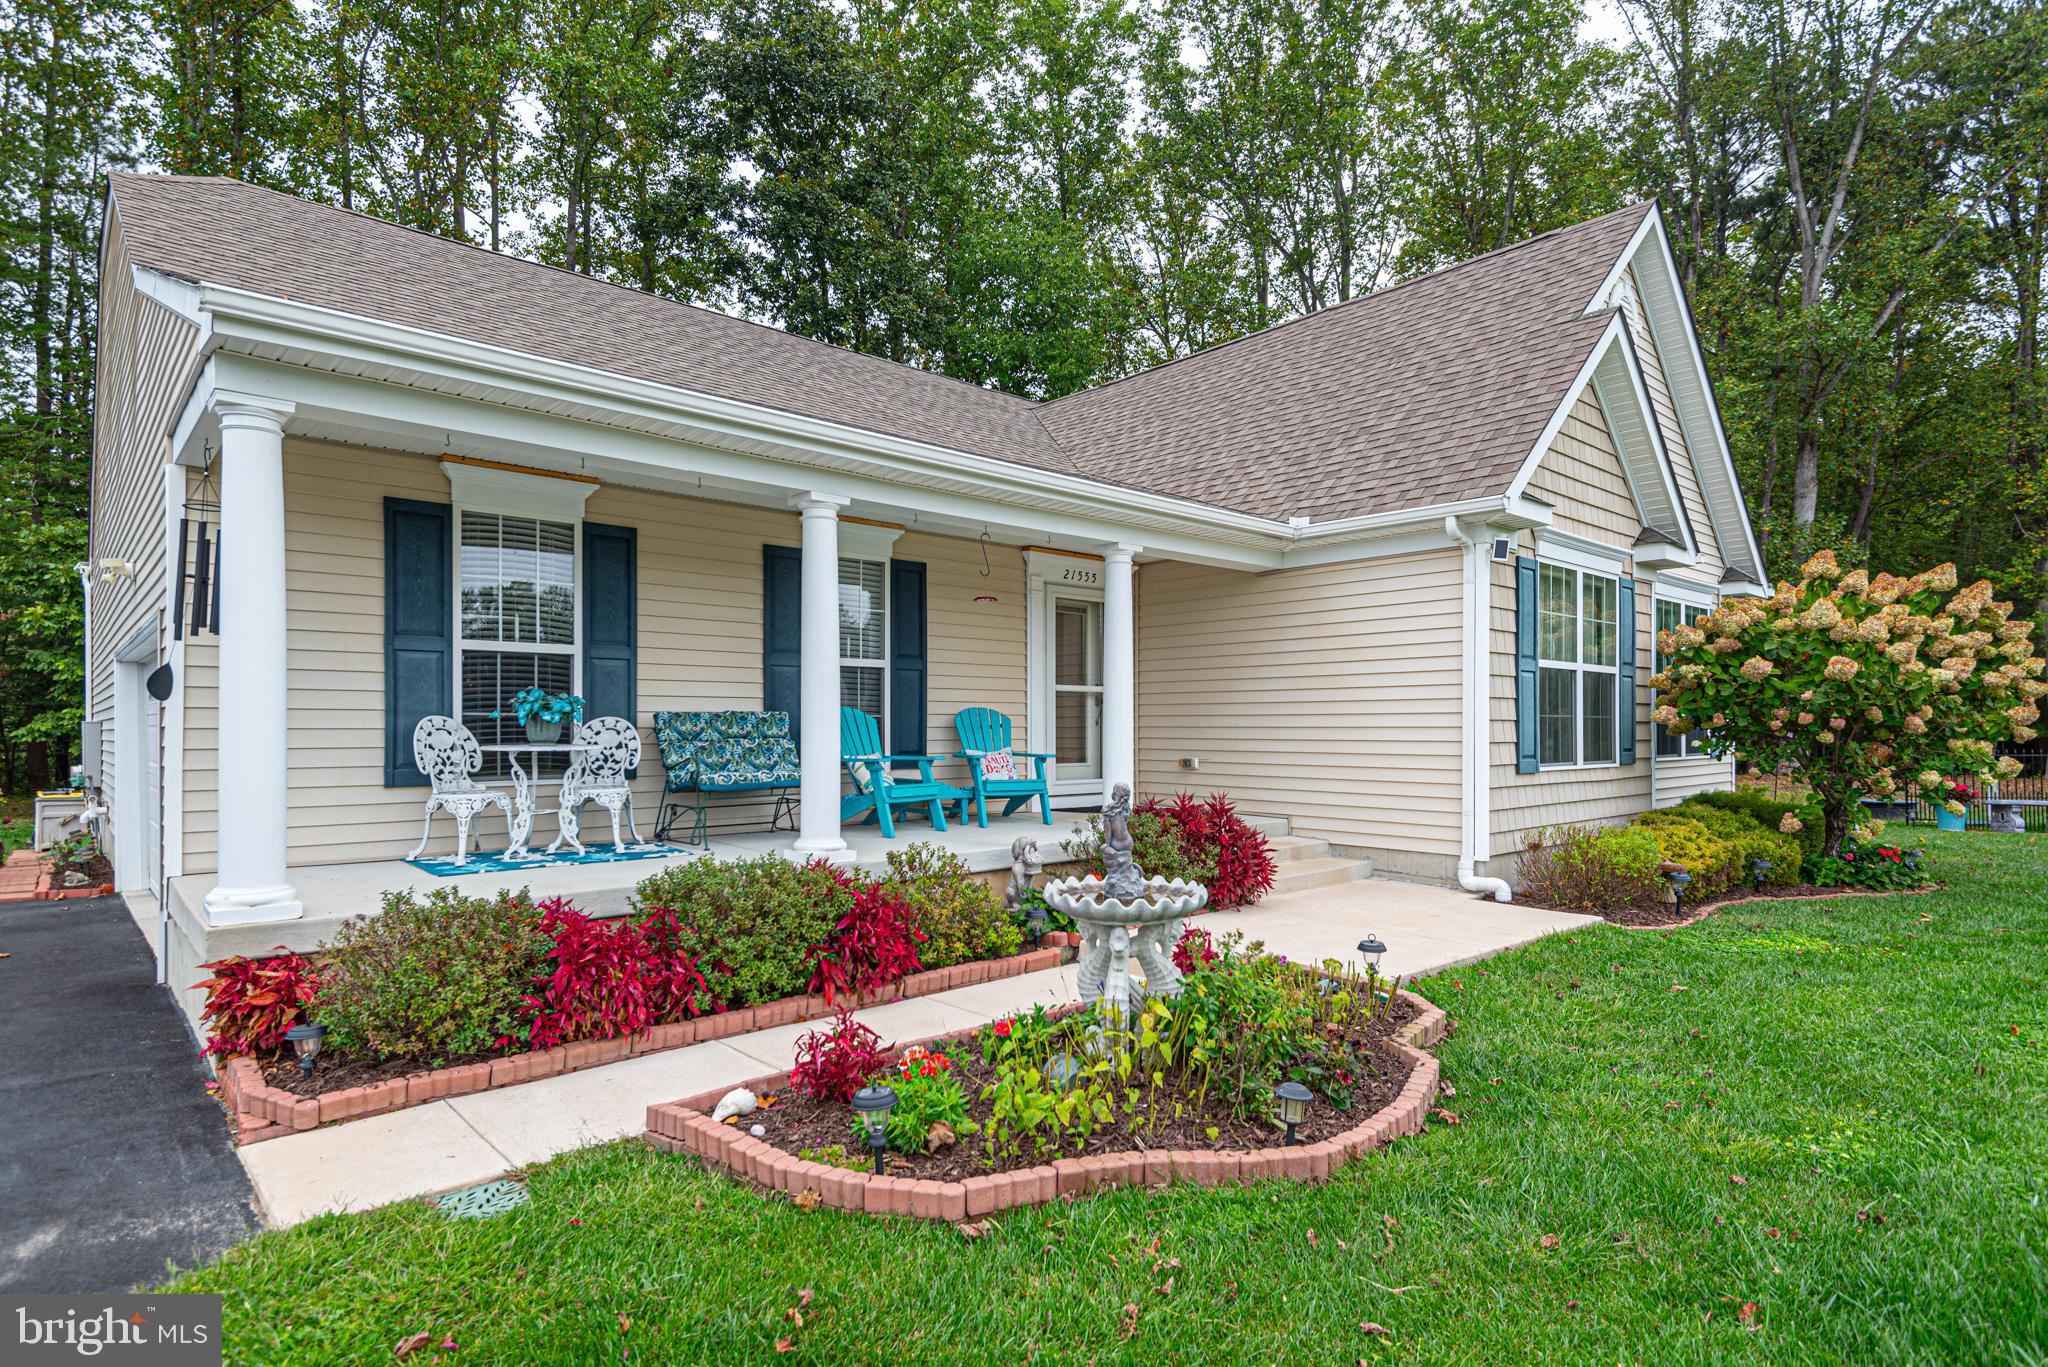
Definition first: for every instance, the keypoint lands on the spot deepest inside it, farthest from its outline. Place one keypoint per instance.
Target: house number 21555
(1075, 576)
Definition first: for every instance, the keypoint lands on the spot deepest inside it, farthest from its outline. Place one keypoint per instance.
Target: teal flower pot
(1949, 821)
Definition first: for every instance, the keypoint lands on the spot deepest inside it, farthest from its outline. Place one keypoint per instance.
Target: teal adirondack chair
(983, 730)
(876, 790)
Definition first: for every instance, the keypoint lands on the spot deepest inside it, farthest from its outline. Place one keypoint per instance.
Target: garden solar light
(305, 1041)
(1293, 1099)
(871, 1107)
(1034, 920)
(1679, 878)
(1759, 869)
(1372, 947)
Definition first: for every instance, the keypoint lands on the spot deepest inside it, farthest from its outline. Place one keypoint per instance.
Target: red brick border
(264, 1112)
(686, 1127)
(45, 889)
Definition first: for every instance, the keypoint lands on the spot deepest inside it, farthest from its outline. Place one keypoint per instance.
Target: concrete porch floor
(471, 1139)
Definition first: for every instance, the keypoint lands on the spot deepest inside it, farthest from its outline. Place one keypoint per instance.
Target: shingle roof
(1428, 392)
(1424, 393)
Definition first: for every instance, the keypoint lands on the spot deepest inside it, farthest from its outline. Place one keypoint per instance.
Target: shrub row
(446, 976)
(1715, 837)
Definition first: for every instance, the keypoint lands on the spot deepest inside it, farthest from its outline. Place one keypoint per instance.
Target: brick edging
(264, 1112)
(686, 1127)
(46, 890)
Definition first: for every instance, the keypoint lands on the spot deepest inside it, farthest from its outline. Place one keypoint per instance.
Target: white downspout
(1474, 788)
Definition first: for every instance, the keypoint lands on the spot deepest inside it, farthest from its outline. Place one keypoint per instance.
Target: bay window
(1578, 655)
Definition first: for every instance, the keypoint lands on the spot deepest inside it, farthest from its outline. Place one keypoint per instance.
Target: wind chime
(199, 558)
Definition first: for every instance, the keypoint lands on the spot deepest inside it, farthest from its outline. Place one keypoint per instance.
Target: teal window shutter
(1625, 684)
(611, 622)
(782, 611)
(907, 657)
(1526, 752)
(419, 629)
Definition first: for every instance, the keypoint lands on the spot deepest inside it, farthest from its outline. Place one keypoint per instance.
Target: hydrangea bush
(1860, 683)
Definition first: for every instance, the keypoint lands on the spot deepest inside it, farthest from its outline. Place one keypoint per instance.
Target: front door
(1076, 672)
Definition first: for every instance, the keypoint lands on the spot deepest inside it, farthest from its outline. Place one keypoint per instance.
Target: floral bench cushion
(713, 751)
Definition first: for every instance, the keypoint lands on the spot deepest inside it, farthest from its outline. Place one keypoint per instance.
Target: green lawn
(1839, 1121)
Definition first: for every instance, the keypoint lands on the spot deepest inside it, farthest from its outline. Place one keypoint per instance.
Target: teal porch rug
(494, 861)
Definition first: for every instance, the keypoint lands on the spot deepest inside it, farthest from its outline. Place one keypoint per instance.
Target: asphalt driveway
(114, 1161)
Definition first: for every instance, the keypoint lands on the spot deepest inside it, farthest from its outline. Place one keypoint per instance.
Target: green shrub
(1598, 868)
(1750, 838)
(961, 917)
(1685, 840)
(1769, 813)
(431, 979)
(754, 926)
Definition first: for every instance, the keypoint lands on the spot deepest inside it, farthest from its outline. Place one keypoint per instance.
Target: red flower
(1002, 1028)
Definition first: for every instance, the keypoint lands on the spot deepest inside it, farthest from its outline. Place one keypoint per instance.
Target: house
(1391, 570)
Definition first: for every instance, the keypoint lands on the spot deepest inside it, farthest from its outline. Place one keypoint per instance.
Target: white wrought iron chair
(599, 775)
(447, 754)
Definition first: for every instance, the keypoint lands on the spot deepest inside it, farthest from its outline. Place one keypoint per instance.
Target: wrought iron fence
(2029, 787)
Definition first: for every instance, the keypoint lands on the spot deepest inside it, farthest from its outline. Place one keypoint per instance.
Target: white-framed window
(1578, 647)
(1670, 612)
(864, 639)
(518, 623)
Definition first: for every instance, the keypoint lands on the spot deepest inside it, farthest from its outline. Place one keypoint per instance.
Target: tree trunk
(1837, 812)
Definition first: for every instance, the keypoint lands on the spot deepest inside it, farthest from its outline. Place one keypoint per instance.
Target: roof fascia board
(243, 315)
(1692, 373)
(1616, 326)
(1623, 366)
(1603, 298)
(179, 296)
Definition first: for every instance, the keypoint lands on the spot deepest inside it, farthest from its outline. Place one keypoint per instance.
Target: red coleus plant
(833, 1064)
(1210, 830)
(604, 979)
(873, 945)
(250, 1003)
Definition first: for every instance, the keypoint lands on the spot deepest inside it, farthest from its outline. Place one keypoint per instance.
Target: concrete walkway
(114, 1161)
(471, 1139)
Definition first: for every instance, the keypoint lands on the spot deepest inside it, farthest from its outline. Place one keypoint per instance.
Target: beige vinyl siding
(700, 645)
(1582, 476)
(144, 367)
(1711, 562)
(1327, 695)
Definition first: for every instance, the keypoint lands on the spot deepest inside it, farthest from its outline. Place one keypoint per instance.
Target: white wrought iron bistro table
(526, 789)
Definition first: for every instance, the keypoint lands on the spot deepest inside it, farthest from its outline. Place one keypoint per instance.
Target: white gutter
(1475, 791)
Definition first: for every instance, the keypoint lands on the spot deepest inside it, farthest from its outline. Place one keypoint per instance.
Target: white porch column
(818, 649)
(1119, 672)
(251, 885)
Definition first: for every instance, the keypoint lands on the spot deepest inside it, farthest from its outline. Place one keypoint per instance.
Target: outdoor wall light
(1034, 923)
(871, 1106)
(305, 1041)
(1679, 879)
(1759, 869)
(1293, 1099)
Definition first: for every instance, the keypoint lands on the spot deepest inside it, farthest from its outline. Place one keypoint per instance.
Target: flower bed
(268, 1098)
(686, 1127)
(447, 993)
(1727, 843)
(1194, 1087)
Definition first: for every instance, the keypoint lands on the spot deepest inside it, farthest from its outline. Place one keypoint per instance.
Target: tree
(1859, 683)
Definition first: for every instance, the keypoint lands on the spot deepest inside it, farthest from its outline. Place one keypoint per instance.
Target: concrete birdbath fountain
(1124, 914)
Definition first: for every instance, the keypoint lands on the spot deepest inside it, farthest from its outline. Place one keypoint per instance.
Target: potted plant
(542, 713)
(1954, 796)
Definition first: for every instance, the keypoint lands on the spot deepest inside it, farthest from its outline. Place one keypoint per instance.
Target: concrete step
(1303, 874)
(1292, 849)
(1270, 827)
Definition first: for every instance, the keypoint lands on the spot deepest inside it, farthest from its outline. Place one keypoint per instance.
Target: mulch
(797, 1123)
(281, 1070)
(1662, 915)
